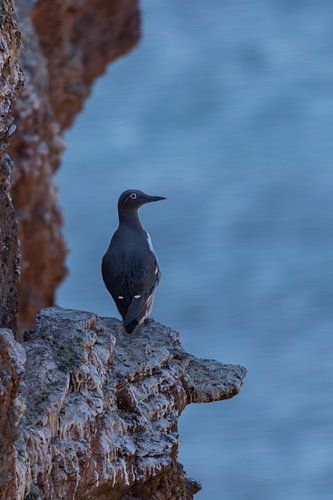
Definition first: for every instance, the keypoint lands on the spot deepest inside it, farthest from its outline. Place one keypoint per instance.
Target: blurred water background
(226, 108)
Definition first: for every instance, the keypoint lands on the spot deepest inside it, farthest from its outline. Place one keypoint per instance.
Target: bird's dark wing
(131, 282)
(143, 274)
(139, 309)
(122, 304)
(142, 280)
(114, 276)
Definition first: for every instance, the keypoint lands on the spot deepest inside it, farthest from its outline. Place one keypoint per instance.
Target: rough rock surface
(98, 409)
(11, 80)
(67, 44)
(12, 358)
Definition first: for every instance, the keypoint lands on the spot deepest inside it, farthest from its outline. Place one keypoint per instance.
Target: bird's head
(134, 199)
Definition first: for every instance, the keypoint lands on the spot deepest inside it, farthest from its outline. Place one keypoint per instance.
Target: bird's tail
(130, 327)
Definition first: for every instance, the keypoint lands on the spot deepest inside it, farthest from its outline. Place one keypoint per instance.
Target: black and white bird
(130, 268)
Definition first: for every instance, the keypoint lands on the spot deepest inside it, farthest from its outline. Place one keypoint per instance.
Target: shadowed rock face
(99, 409)
(67, 44)
(11, 80)
(12, 359)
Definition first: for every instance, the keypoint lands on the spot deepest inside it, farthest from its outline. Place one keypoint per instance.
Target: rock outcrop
(96, 410)
(67, 44)
(11, 80)
(86, 411)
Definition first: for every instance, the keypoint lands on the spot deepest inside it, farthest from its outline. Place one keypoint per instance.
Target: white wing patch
(151, 248)
(120, 297)
(137, 296)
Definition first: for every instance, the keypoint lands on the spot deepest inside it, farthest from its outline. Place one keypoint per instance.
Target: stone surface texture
(12, 359)
(96, 410)
(67, 45)
(11, 80)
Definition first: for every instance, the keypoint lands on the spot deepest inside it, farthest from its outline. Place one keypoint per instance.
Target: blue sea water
(226, 108)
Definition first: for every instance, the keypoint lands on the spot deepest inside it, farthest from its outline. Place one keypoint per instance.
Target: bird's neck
(130, 218)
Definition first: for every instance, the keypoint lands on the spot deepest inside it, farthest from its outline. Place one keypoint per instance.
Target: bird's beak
(154, 198)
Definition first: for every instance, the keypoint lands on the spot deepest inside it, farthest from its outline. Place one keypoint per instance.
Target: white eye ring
(133, 196)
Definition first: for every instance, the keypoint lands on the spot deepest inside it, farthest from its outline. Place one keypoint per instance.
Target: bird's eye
(133, 196)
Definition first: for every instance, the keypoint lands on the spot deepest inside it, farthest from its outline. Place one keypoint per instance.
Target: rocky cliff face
(86, 411)
(67, 44)
(96, 410)
(11, 80)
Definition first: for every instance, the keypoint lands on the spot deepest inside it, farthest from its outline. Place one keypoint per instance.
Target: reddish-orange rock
(67, 45)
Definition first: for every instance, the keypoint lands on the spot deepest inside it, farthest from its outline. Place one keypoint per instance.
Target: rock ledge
(97, 410)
